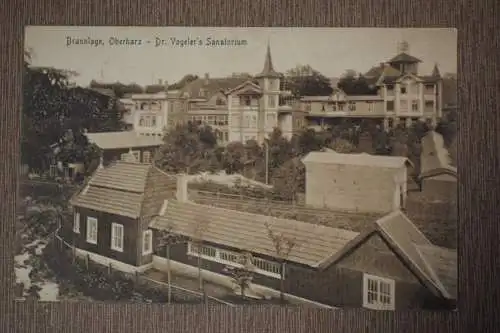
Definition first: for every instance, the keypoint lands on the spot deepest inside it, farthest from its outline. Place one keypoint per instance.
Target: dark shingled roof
(127, 189)
(212, 86)
(249, 232)
(404, 58)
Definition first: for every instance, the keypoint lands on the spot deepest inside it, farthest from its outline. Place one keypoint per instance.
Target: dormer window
(403, 90)
(220, 101)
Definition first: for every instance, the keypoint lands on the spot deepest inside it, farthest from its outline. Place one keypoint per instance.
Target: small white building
(356, 182)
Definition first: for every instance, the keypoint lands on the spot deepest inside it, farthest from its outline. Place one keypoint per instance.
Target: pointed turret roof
(268, 70)
(435, 71)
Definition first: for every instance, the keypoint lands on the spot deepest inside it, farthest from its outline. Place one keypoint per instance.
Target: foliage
(359, 85)
(52, 108)
(342, 146)
(182, 82)
(118, 88)
(290, 179)
(303, 80)
(188, 149)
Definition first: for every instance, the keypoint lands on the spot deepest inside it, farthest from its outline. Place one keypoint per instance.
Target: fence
(178, 293)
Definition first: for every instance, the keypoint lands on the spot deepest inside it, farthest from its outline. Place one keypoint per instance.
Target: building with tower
(243, 107)
(401, 95)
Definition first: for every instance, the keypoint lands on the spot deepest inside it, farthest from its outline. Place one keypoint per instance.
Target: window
(146, 157)
(91, 230)
(147, 242)
(136, 155)
(414, 106)
(262, 266)
(271, 120)
(403, 90)
(141, 121)
(117, 237)
(211, 120)
(76, 223)
(371, 106)
(429, 104)
(352, 106)
(226, 136)
(390, 87)
(308, 106)
(334, 107)
(253, 123)
(378, 293)
(246, 121)
(123, 156)
(271, 101)
(204, 251)
(245, 100)
(153, 121)
(267, 266)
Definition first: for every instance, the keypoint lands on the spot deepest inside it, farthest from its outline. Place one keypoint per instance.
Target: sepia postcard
(238, 166)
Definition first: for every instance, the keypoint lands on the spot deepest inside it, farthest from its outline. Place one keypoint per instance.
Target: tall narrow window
(117, 237)
(76, 223)
(92, 230)
(146, 157)
(271, 101)
(147, 242)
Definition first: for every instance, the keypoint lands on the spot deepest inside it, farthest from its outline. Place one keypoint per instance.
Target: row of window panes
(222, 136)
(211, 120)
(147, 121)
(117, 234)
(233, 257)
(404, 90)
(153, 106)
(414, 105)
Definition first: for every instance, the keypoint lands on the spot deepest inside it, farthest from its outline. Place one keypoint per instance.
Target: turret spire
(435, 71)
(268, 70)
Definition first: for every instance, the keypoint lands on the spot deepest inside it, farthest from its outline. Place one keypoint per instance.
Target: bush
(76, 279)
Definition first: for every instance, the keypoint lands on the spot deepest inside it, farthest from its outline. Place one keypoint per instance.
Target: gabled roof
(211, 86)
(123, 140)
(127, 189)
(248, 232)
(435, 158)
(362, 159)
(384, 69)
(409, 76)
(414, 249)
(404, 58)
(247, 87)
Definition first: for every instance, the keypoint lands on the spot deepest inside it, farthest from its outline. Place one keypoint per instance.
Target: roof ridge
(268, 216)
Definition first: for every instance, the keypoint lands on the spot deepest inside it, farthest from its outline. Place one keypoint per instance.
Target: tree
(342, 146)
(234, 157)
(166, 238)
(183, 82)
(283, 245)
(52, 108)
(118, 88)
(356, 85)
(243, 275)
(303, 80)
(187, 148)
(290, 179)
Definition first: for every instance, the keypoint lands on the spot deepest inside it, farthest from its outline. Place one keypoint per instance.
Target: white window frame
(76, 223)
(147, 247)
(146, 156)
(220, 253)
(92, 238)
(378, 305)
(114, 246)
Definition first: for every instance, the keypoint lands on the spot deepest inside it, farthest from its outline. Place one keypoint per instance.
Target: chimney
(182, 188)
(207, 78)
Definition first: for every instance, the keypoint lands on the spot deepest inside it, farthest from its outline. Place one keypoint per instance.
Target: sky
(331, 51)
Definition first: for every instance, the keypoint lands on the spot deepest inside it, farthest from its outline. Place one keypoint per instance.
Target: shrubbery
(94, 281)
